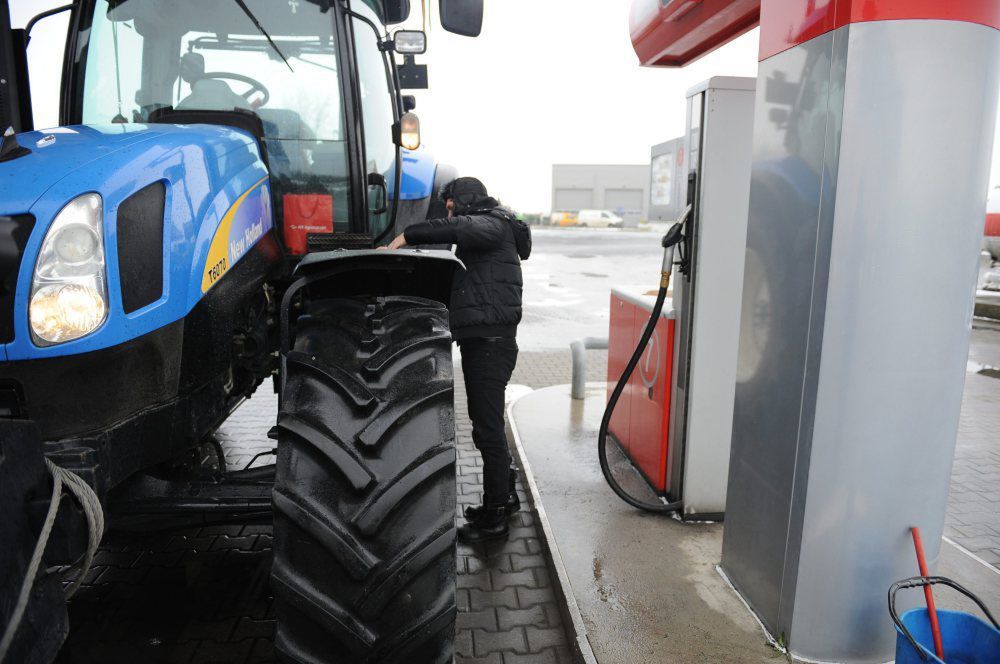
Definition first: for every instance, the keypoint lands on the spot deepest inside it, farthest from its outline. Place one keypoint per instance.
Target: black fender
(373, 272)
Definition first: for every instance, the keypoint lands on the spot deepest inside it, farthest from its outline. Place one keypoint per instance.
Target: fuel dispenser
(872, 129)
(674, 417)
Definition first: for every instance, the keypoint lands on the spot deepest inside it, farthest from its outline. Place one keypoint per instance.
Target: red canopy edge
(674, 33)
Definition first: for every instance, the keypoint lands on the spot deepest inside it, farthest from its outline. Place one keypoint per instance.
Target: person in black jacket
(485, 309)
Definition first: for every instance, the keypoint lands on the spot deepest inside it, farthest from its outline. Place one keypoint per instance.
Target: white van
(599, 219)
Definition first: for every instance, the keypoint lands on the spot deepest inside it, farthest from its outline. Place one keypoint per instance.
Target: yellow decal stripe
(218, 263)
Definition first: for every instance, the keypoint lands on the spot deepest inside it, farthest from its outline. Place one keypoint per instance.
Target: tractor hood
(205, 171)
(57, 153)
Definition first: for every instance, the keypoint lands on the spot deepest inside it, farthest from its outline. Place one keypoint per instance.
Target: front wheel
(364, 496)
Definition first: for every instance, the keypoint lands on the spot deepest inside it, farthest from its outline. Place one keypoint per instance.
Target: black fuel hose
(672, 237)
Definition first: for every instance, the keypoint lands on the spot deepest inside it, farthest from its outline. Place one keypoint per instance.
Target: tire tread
(364, 548)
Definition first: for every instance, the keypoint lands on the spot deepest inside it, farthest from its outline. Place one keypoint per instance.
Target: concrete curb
(576, 628)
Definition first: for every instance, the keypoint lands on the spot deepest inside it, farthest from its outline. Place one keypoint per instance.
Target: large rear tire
(364, 496)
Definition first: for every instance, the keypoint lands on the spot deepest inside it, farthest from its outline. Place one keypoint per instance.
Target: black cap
(463, 189)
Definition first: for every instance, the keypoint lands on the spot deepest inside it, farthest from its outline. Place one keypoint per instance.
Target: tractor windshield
(277, 58)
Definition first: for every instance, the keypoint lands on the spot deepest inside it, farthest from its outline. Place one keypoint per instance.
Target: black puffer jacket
(492, 242)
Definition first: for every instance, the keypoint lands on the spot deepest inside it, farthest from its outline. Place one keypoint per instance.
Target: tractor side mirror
(396, 11)
(378, 194)
(462, 17)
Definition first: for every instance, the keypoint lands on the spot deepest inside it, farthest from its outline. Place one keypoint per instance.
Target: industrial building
(619, 188)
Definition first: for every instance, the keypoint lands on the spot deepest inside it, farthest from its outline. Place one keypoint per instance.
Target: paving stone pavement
(201, 595)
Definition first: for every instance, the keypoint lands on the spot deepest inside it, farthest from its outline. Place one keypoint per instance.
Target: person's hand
(397, 243)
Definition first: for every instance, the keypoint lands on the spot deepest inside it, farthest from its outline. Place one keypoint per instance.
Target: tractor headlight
(76, 244)
(69, 296)
(66, 312)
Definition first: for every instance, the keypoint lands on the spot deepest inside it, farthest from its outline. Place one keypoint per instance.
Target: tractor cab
(313, 82)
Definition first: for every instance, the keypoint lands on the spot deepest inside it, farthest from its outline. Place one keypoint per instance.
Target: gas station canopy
(674, 33)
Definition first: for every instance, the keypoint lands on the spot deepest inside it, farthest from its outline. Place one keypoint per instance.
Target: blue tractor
(205, 220)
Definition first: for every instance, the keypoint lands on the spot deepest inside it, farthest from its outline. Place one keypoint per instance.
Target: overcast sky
(547, 82)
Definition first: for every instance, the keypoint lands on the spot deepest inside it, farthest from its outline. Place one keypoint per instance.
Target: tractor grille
(140, 247)
(14, 234)
(331, 241)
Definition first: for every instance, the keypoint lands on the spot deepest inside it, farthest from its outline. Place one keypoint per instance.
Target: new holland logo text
(243, 225)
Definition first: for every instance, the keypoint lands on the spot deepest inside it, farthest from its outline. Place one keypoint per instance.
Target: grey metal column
(871, 158)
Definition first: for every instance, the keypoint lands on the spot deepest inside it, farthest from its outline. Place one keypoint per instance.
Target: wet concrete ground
(568, 280)
(646, 586)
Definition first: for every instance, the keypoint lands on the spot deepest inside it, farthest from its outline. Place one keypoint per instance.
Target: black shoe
(472, 512)
(491, 525)
(513, 502)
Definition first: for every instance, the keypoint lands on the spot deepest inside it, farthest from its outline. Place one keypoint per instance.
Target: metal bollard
(579, 350)
(985, 265)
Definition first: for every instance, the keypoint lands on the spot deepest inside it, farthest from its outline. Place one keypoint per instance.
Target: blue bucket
(966, 639)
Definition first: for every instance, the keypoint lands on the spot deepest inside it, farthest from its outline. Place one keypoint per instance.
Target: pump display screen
(661, 179)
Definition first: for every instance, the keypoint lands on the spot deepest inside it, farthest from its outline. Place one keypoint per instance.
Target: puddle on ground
(605, 593)
(702, 551)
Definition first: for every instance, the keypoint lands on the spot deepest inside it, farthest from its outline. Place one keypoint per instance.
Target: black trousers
(487, 365)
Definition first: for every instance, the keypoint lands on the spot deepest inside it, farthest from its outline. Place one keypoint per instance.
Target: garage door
(623, 200)
(573, 199)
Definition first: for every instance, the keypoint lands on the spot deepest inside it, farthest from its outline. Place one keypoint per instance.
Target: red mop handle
(918, 544)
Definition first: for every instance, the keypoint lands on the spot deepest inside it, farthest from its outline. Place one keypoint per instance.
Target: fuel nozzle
(673, 237)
